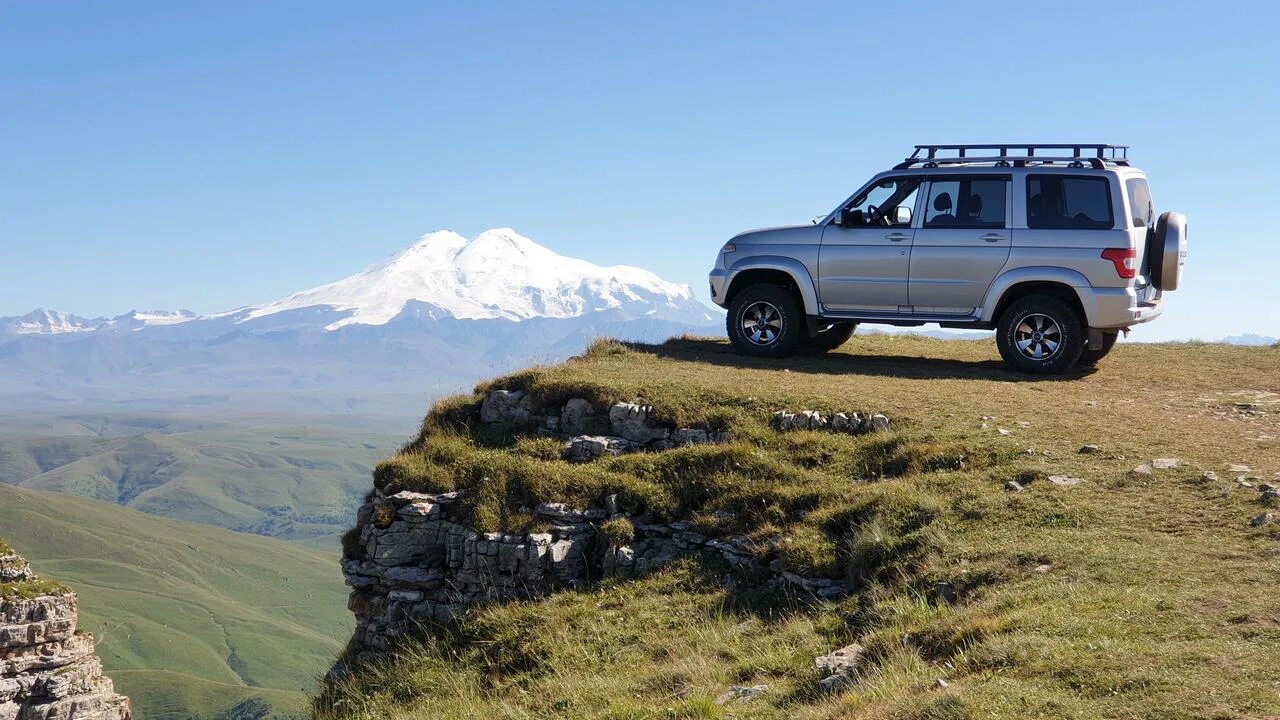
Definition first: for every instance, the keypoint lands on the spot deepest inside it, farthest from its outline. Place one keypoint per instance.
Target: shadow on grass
(719, 352)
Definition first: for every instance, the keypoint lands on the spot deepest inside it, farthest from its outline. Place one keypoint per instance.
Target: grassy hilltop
(190, 620)
(1146, 594)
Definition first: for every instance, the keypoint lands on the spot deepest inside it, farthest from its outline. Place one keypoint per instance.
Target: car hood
(786, 234)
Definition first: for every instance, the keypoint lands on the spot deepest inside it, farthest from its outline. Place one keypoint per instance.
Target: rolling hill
(191, 620)
(270, 476)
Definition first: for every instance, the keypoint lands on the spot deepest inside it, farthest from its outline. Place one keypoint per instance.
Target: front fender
(796, 269)
(1062, 276)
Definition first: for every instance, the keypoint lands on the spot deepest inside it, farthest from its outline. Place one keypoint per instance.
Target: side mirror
(850, 217)
(902, 215)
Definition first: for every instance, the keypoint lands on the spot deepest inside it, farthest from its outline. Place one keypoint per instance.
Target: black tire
(775, 315)
(1091, 357)
(829, 339)
(1029, 326)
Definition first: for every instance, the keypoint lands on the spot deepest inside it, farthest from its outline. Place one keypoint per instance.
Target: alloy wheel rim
(1038, 337)
(761, 323)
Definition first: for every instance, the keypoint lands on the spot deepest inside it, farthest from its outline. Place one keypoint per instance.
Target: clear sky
(206, 155)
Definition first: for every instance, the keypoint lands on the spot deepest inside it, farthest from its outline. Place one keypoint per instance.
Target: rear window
(1069, 202)
(1141, 209)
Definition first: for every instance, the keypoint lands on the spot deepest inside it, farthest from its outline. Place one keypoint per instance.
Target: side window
(966, 203)
(878, 205)
(1066, 202)
(1141, 209)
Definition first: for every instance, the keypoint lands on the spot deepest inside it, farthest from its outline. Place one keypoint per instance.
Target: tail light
(1125, 259)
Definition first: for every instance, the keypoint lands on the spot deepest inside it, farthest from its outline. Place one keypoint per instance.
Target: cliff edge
(48, 670)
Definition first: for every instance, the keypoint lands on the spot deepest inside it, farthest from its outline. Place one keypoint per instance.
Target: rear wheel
(1040, 334)
(1090, 357)
(829, 339)
(764, 321)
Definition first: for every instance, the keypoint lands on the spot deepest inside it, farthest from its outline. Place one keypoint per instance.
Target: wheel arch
(786, 272)
(1067, 285)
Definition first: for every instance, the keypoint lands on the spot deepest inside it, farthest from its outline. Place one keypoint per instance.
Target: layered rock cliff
(417, 558)
(48, 670)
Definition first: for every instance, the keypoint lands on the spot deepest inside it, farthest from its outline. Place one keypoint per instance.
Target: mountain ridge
(498, 274)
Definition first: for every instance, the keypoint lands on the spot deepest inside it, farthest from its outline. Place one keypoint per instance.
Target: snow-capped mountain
(498, 274)
(434, 318)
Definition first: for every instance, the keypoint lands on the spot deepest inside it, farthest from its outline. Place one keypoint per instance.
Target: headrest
(942, 203)
(975, 205)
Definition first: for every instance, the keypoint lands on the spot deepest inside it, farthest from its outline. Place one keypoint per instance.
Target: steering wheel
(875, 217)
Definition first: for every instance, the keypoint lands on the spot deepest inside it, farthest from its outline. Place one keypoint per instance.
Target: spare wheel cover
(1174, 249)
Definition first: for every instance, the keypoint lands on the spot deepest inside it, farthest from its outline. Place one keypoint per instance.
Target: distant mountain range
(441, 314)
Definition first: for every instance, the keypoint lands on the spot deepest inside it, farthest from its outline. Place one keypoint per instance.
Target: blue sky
(207, 155)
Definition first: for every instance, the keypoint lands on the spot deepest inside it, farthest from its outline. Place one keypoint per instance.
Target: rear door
(863, 265)
(961, 244)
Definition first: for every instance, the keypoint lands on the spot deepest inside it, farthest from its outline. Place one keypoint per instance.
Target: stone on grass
(1243, 483)
(1142, 471)
(1014, 486)
(1003, 432)
(1237, 468)
(879, 423)
(635, 423)
(1065, 480)
(1089, 450)
(946, 592)
(741, 694)
(1165, 463)
(690, 436)
(578, 417)
(511, 407)
(1262, 519)
(839, 669)
(1208, 476)
(585, 448)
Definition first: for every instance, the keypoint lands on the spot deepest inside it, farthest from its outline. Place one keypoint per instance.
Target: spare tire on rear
(1167, 250)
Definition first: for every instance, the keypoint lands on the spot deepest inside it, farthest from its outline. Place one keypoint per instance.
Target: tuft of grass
(617, 532)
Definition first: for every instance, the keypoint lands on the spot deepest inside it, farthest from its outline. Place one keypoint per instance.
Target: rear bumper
(1117, 308)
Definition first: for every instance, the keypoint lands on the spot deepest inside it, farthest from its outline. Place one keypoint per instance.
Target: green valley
(280, 477)
(192, 621)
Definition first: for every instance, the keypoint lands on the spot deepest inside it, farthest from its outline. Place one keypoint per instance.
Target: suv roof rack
(1018, 154)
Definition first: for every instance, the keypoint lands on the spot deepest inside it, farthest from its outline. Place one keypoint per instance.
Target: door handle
(993, 237)
(896, 237)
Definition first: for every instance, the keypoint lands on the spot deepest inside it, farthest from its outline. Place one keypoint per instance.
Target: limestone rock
(635, 423)
(1065, 480)
(879, 423)
(839, 668)
(690, 436)
(741, 694)
(509, 407)
(1166, 463)
(47, 671)
(578, 417)
(585, 448)
(1089, 450)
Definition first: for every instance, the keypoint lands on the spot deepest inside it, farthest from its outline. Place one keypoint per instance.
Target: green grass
(1121, 597)
(265, 476)
(189, 619)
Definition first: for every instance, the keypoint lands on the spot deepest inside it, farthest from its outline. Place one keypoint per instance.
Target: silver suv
(1057, 247)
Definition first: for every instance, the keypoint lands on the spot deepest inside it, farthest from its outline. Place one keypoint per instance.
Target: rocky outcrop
(48, 671)
(414, 562)
(419, 565)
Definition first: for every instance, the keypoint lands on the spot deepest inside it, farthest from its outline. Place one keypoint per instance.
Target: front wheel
(1040, 334)
(829, 339)
(764, 321)
(1091, 357)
